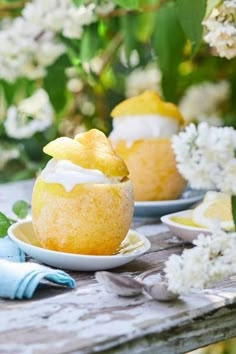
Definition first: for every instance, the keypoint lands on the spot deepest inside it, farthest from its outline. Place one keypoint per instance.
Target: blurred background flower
(205, 102)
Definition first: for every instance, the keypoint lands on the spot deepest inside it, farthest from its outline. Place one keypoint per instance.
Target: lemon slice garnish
(216, 207)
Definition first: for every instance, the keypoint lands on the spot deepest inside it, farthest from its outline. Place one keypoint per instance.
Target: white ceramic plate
(160, 208)
(187, 233)
(23, 235)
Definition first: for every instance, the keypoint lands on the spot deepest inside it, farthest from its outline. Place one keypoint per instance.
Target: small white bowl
(187, 233)
(22, 233)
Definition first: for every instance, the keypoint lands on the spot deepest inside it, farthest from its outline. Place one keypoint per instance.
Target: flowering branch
(212, 258)
(206, 158)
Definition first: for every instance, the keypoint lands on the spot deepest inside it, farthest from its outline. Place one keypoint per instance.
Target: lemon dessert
(142, 129)
(82, 201)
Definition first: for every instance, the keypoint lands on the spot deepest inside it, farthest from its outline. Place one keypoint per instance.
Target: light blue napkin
(9, 251)
(20, 280)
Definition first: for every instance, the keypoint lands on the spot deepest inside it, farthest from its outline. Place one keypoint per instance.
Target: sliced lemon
(215, 207)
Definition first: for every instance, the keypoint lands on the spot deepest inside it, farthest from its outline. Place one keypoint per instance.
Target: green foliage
(211, 4)
(129, 41)
(20, 209)
(233, 205)
(90, 42)
(55, 83)
(4, 224)
(191, 14)
(144, 26)
(128, 4)
(168, 42)
(78, 2)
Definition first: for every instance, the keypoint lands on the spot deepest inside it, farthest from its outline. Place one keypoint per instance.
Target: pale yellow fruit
(147, 103)
(90, 150)
(152, 168)
(216, 207)
(91, 219)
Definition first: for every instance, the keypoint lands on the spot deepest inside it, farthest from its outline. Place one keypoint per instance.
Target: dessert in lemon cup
(82, 201)
(142, 129)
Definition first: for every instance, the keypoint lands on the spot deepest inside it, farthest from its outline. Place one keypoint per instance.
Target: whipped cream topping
(147, 126)
(69, 175)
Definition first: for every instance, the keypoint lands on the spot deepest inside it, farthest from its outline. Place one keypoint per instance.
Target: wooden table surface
(89, 320)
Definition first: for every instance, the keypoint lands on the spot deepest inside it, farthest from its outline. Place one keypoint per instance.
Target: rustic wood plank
(88, 320)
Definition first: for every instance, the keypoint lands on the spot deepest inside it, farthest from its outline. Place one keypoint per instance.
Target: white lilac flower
(105, 7)
(139, 80)
(48, 15)
(32, 115)
(203, 102)
(205, 156)
(25, 51)
(59, 16)
(7, 153)
(28, 44)
(212, 258)
(76, 18)
(74, 83)
(220, 29)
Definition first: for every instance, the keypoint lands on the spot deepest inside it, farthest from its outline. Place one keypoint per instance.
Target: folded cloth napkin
(9, 251)
(18, 281)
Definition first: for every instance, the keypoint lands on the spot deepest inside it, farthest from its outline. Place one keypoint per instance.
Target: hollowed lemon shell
(152, 167)
(91, 219)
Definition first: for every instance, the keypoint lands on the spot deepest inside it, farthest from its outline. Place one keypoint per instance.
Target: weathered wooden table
(89, 320)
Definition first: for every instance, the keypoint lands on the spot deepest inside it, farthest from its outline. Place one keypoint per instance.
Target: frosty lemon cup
(82, 202)
(141, 135)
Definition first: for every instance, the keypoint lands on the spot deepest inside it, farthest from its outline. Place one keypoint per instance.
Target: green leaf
(55, 83)
(144, 26)
(78, 2)
(168, 43)
(128, 4)
(90, 42)
(191, 14)
(20, 208)
(4, 224)
(211, 4)
(233, 206)
(129, 41)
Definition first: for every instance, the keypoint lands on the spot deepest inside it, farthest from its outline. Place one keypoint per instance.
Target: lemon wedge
(184, 221)
(215, 207)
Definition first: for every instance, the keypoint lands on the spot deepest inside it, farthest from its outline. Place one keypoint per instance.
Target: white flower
(29, 44)
(203, 102)
(74, 83)
(59, 16)
(206, 156)
(76, 18)
(7, 153)
(25, 51)
(32, 115)
(220, 29)
(105, 7)
(212, 258)
(140, 80)
(48, 15)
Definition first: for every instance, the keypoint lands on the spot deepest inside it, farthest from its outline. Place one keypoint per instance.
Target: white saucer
(187, 233)
(160, 208)
(23, 235)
